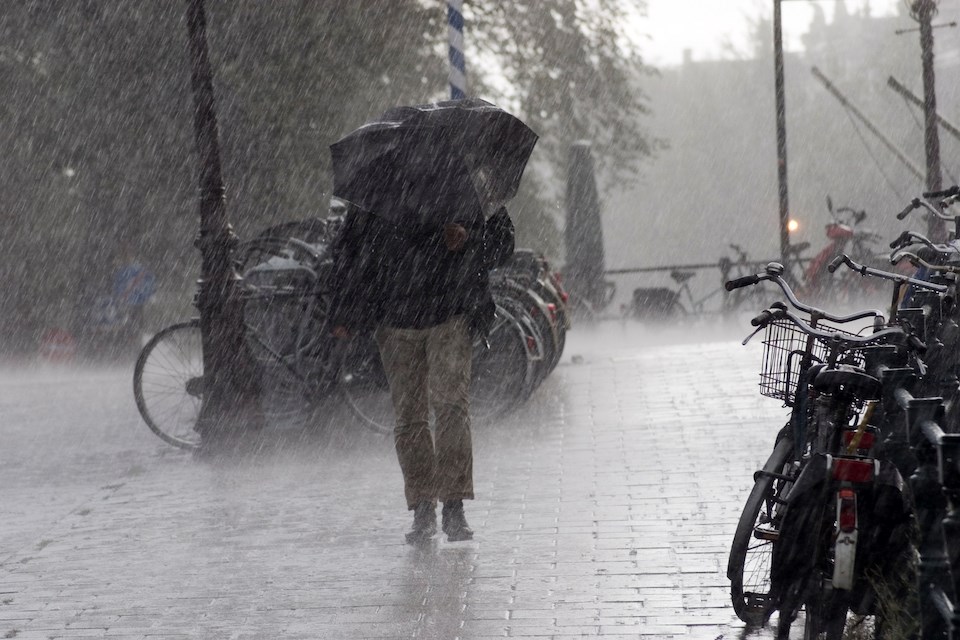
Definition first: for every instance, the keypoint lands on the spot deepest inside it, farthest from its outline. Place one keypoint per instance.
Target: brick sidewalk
(605, 507)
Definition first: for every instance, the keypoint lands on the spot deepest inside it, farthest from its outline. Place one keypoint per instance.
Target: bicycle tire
(534, 348)
(168, 383)
(748, 568)
(549, 335)
(559, 316)
(364, 388)
(282, 330)
(825, 609)
(502, 373)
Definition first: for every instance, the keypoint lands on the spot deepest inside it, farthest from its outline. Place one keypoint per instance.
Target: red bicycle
(844, 235)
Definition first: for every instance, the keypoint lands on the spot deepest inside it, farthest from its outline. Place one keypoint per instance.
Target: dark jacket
(405, 277)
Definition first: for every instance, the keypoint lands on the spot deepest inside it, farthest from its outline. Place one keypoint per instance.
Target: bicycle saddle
(850, 379)
(682, 276)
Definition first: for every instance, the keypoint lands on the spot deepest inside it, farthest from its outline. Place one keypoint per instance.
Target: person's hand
(454, 236)
(341, 332)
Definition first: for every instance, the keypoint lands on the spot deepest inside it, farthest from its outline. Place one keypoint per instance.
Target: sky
(710, 27)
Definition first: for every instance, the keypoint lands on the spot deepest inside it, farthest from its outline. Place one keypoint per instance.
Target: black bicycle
(818, 524)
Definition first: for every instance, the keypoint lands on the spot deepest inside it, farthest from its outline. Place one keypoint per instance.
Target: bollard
(934, 582)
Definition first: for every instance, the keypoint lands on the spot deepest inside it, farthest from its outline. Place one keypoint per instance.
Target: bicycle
(844, 234)
(285, 297)
(662, 304)
(812, 508)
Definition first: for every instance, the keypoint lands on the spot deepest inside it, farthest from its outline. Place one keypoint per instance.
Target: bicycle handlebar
(835, 263)
(908, 237)
(918, 261)
(739, 283)
(774, 273)
(916, 203)
(915, 343)
(910, 207)
(773, 313)
(776, 313)
(944, 193)
(885, 275)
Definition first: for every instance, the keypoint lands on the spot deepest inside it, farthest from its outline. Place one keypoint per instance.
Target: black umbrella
(433, 163)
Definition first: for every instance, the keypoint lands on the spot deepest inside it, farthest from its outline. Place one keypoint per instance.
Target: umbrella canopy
(433, 163)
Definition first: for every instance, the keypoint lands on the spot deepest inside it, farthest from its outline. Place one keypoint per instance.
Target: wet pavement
(605, 508)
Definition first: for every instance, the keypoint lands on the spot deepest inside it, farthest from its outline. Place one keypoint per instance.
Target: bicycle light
(846, 510)
(852, 470)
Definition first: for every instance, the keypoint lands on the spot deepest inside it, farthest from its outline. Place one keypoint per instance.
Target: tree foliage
(99, 151)
(574, 72)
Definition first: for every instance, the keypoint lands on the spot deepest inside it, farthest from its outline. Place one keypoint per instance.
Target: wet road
(605, 508)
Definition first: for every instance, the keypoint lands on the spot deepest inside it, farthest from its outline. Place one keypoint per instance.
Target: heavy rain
(474, 319)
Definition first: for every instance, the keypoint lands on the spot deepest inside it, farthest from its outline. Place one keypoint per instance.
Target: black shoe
(424, 523)
(455, 523)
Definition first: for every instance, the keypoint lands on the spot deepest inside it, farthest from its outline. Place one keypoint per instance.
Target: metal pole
(458, 65)
(781, 132)
(925, 10)
(229, 383)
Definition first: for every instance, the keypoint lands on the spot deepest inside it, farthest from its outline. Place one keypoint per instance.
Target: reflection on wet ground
(605, 507)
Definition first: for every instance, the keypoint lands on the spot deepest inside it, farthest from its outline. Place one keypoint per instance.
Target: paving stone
(605, 508)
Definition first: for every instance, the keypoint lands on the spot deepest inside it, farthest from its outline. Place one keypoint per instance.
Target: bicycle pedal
(766, 534)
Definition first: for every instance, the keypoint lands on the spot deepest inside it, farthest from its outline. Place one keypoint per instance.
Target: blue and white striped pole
(458, 65)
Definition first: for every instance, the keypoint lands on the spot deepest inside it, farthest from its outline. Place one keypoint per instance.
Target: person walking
(412, 263)
(424, 292)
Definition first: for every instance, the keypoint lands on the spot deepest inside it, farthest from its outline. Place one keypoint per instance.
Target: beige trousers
(430, 368)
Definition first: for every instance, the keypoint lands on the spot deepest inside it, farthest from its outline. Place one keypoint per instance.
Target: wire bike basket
(784, 349)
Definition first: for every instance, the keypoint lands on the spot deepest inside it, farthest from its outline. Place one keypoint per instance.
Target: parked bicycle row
(844, 233)
(303, 369)
(844, 528)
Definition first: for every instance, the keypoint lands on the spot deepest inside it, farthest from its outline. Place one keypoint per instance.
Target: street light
(781, 107)
(230, 383)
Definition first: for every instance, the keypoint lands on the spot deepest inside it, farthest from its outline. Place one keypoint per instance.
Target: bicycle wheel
(558, 316)
(364, 387)
(547, 329)
(533, 341)
(283, 331)
(748, 567)
(168, 383)
(501, 372)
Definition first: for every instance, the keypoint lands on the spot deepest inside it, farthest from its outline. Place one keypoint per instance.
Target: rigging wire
(916, 121)
(876, 162)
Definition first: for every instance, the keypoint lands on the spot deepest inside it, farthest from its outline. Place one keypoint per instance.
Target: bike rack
(936, 492)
